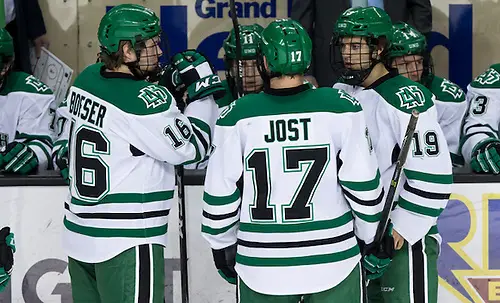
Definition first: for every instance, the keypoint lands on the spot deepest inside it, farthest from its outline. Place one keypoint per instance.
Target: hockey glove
(198, 75)
(172, 81)
(19, 158)
(225, 259)
(378, 256)
(7, 250)
(62, 162)
(486, 156)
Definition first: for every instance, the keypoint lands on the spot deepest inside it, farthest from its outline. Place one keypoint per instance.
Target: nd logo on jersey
(153, 96)
(469, 263)
(410, 96)
(488, 77)
(37, 84)
(452, 89)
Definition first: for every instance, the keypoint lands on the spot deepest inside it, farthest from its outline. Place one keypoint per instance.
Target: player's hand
(198, 75)
(486, 157)
(19, 158)
(225, 259)
(378, 256)
(398, 240)
(7, 249)
(62, 162)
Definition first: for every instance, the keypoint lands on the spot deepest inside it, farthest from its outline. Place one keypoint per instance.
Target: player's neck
(287, 82)
(377, 72)
(121, 69)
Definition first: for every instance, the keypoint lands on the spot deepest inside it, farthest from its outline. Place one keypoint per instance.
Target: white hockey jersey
(450, 106)
(294, 222)
(126, 136)
(425, 183)
(25, 116)
(483, 116)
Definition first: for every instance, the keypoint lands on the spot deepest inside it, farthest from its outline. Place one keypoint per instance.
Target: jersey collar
(110, 75)
(286, 91)
(393, 72)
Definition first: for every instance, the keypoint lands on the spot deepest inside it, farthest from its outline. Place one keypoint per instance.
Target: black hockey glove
(7, 249)
(62, 162)
(378, 256)
(172, 81)
(18, 158)
(225, 259)
(198, 75)
(486, 157)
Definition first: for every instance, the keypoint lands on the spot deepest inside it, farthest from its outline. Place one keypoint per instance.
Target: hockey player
(251, 79)
(480, 143)
(25, 136)
(364, 35)
(408, 55)
(311, 184)
(7, 250)
(126, 136)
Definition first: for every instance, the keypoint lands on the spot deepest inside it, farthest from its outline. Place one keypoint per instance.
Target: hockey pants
(134, 276)
(412, 276)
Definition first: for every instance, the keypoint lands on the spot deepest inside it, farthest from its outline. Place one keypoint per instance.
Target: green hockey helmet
(127, 22)
(6, 53)
(249, 39)
(408, 53)
(287, 48)
(355, 25)
(141, 27)
(250, 80)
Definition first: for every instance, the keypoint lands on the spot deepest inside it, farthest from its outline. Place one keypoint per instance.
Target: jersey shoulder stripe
(26, 83)
(322, 99)
(446, 91)
(133, 96)
(489, 78)
(405, 94)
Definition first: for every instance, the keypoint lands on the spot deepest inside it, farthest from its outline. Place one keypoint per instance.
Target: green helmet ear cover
(287, 48)
(406, 41)
(127, 22)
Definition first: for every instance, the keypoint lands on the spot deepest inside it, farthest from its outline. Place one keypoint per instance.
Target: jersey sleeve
(62, 125)
(34, 124)
(359, 177)
(450, 119)
(425, 185)
(222, 198)
(174, 137)
(481, 120)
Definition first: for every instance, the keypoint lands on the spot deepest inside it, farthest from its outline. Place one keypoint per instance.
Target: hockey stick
(236, 27)
(179, 172)
(389, 200)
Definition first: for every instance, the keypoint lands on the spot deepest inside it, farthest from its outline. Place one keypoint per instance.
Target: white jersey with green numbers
(25, 115)
(450, 106)
(483, 116)
(310, 185)
(426, 180)
(126, 136)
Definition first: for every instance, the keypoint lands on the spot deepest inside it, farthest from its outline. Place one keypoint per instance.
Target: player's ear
(382, 45)
(265, 63)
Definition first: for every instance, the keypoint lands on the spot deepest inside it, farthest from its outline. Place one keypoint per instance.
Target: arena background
(465, 40)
